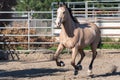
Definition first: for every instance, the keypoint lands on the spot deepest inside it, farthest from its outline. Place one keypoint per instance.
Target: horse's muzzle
(57, 24)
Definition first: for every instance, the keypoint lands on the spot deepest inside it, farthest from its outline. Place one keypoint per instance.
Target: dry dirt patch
(38, 66)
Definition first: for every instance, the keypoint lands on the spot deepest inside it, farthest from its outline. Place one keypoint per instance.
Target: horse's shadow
(107, 74)
(30, 72)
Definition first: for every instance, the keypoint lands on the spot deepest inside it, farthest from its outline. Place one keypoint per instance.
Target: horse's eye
(63, 12)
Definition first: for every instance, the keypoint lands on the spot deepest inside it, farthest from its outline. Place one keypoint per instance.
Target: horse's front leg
(74, 54)
(57, 53)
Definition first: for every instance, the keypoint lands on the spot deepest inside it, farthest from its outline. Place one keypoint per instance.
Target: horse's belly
(84, 44)
(86, 41)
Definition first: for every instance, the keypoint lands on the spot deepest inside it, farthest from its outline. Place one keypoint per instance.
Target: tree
(28, 5)
(38, 5)
(6, 5)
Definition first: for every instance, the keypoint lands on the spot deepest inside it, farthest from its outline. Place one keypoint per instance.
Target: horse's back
(95, 27)
(88, 26)
(91, 33)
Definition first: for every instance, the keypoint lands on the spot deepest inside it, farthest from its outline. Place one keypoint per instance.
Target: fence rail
(93, 9)
(31, 25)
(27, 25)
(106, 14)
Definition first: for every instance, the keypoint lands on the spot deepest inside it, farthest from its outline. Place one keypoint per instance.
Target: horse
(75, 36)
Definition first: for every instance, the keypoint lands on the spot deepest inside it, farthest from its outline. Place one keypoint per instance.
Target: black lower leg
(90, 66)
(75, 68)
(59, 63)
(93, 58)
(79, 66)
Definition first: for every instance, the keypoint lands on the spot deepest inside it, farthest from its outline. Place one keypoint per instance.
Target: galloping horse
(76, 37)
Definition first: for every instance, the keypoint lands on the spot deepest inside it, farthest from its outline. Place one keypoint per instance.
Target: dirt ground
(39, 66)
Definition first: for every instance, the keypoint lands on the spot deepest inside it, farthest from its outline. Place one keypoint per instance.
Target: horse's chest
(71, 41)
(67, 42)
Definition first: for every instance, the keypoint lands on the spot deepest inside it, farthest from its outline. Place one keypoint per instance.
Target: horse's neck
(69, 27)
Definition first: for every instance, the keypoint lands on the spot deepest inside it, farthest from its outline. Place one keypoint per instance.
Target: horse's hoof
(61, 64)
(76, 72)
(79, 67)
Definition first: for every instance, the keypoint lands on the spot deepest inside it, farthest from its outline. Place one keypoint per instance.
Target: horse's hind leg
(82, 57)
(93, 47)
(57, 53)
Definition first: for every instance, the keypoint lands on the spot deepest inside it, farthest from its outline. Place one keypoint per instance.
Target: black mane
(70, 11)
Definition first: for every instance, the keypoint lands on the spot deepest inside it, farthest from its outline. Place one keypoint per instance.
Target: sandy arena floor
(38, 66)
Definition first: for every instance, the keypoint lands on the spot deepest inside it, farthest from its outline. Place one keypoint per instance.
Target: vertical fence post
(93, 12)
(68, 4)
(52, 20)
(29, 31)
(86, 10)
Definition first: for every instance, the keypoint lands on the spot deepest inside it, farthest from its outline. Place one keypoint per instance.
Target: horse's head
(61, 14)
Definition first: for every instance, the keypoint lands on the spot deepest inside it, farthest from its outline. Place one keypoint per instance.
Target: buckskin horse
(76, 37)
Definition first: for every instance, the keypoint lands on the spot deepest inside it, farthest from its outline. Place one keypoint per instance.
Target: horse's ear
(59, 4)
(64, 4)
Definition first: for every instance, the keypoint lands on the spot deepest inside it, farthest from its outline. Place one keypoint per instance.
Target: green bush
(55, 48)
(107, 39)
(110, 46)
(20, 48)
(103, 46)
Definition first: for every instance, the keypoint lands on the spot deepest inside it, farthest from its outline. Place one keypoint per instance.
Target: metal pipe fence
(105, 14)
(93, 9)
(30, 28)
(27, 28)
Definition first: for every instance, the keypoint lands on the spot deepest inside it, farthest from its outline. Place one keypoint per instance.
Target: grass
(55, 48)
(111, 46)
(19, 48)
(103, 46)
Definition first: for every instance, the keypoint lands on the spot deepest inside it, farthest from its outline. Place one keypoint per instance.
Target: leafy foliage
(38, 5)
(6, 5)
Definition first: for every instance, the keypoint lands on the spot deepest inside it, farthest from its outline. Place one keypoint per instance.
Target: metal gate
(30, 26)
(26, 29)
